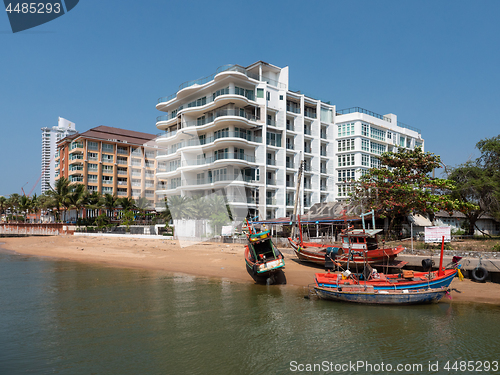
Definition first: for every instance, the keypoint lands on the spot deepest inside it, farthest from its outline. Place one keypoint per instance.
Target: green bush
(496, 247)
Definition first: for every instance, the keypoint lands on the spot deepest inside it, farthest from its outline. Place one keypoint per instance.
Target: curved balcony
(187, 88)
(203, 106)
(235, 137)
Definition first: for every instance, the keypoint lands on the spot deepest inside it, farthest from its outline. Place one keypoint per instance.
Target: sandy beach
(202, 259)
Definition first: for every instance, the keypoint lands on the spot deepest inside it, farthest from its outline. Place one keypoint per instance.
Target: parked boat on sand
(264, 262)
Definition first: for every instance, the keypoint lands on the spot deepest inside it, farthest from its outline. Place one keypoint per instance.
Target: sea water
(62, 317)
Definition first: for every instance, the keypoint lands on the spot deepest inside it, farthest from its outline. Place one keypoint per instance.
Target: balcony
(322, 152)
(270, 201)
(205, 141)
(270, 181)
(290, 146)
(322, 187)
(292, 108)
(290, 164)
(307, 149)
(220, 156)
(323, 170)
(323, 135)
(310, 112)
(290, 127)
(271, 162)
(222, 69)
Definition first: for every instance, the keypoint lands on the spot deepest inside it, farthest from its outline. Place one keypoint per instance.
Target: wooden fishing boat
(408, 280)
(263, 259)
(369, 295)
(358, 246)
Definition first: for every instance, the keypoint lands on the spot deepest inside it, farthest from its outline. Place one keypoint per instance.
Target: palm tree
(199, 207)
(179, 207)
(110, 202)
(59, 193)
(25, 206)
(95, 201)
(14, 203)
(142, 205)
(3, 205)
(77, 198)
(126, 203)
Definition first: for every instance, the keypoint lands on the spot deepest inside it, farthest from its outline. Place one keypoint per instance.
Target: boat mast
(297, 197)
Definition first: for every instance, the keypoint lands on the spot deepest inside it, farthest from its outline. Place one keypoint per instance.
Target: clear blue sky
(433, 63)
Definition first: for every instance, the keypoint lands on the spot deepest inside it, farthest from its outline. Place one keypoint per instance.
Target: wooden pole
(440, 271)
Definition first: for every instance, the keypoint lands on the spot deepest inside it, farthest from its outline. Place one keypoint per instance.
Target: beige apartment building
(110, 161)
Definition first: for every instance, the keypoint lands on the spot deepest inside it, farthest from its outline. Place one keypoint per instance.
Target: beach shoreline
(218, 260)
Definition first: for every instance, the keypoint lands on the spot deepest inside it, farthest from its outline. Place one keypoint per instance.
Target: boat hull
(315, 253)
(378, 297)
(421, 280)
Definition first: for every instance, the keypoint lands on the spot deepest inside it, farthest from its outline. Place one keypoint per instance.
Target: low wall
(28, 229)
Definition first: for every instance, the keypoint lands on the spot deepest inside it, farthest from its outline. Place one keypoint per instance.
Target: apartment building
(242, 131)
(110, 161)
(50, 136)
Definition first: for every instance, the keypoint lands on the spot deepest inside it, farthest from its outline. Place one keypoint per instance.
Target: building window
(107, 190)
(107, 158)
(108, 148)
(281, 97)
(107, 179)
(92, 156)
(107, 169)
(377, 148)
(374, 162)
(365, 160)
(345, 129)
(365, 145)
(345, 145)
(402, 141)
(408, 142)
(92, 179)
(377, 134)
(92, 167)
(260, 93)
(365, 129)
(346, 175)
(345, 160)
(94, 146)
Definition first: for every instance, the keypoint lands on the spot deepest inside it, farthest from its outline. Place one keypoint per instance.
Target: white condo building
(242, 131)
(50, 136)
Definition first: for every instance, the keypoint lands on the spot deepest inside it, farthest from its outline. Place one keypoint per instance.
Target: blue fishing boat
(369, 295)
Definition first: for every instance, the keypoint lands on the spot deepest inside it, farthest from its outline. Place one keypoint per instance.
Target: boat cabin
(360, 240)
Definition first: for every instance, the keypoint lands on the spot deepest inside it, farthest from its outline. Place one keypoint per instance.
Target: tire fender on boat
(479, 274)
(254, 269)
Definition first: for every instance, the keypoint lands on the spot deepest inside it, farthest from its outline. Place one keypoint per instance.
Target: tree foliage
(478, 182)
(402, 185)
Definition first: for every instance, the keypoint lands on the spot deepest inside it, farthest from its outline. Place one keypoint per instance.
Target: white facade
(242, 132)
(49, 138)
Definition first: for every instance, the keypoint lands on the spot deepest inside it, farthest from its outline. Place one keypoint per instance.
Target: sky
(435, 64)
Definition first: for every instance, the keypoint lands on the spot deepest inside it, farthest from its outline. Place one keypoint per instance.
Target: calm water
(59, 317)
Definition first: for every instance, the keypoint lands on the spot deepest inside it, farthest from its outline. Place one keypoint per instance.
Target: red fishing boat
(358, 246)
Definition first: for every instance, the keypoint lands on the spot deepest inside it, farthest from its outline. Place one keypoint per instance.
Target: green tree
(3, 205)
(110, 202)
(13, 204)
(126, 203)
(478, 182)
(77, 198)
(128, 219)
(59, 194)
(402, 185)
(179, 207)
(25, 206)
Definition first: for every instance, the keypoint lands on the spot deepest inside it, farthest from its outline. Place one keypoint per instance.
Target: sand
(218, 260)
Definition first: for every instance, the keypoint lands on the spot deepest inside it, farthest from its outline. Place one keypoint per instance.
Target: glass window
(365, 145)
(260, 93)
(108, 148)
(365, 128)
(345, 129)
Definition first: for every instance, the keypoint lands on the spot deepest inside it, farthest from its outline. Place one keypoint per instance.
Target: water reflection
(76, 318)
